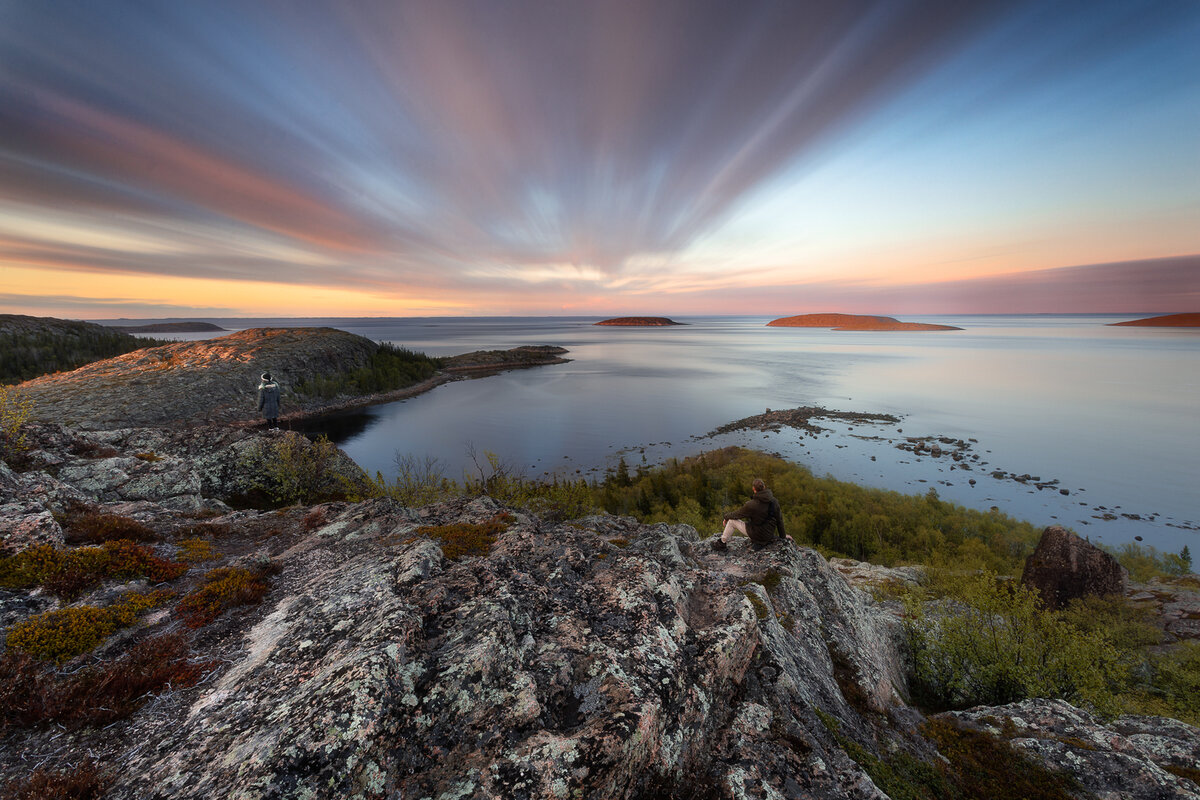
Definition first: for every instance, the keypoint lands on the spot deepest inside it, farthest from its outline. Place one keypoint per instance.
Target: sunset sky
(346, 158)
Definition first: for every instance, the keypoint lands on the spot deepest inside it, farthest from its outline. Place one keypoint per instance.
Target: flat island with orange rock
(1167, 321)
(640, 322)
(855, 322)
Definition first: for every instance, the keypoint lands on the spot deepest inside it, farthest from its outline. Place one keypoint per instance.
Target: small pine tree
(1185, 555)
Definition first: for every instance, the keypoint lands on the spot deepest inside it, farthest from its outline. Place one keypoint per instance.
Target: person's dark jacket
(764, 519)
(268, 399)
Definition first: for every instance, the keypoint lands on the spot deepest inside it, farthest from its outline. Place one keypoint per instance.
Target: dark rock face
(1064, 567)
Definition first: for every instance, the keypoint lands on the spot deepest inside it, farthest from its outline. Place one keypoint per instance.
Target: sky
(432, 158)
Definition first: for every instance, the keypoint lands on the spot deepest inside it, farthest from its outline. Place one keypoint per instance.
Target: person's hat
(266, 376)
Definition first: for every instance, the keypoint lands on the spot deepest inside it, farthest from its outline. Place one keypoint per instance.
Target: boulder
(1064, 567)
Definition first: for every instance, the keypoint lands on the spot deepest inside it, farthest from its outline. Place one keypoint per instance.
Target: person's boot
(719, 546)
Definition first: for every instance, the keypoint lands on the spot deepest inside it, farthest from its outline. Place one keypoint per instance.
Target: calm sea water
(1112, 413)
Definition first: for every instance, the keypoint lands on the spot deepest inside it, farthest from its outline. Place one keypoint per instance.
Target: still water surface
(1112, 413)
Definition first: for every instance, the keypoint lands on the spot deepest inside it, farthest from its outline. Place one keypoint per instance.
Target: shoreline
(446, 375)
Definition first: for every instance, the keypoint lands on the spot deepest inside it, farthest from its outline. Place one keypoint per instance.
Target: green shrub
(289, 469)
(15, 410)
(836, 517)
(989, 642)
(1145, 562)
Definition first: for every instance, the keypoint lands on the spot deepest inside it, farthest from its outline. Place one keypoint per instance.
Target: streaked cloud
(523, 157)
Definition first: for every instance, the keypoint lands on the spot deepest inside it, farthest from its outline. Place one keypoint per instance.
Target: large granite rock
(1064, 567)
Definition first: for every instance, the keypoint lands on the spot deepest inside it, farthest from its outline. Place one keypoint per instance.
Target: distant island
(1167, 321)
(855, 322)
(642, 322)
(170, 327)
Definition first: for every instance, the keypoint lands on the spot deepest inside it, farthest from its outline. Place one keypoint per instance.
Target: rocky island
(639, 322)
(1165, 321)
(170, 327)
(195, 608)
(855, 322)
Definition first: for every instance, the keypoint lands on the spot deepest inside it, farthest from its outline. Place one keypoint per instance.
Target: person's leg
(732, 525)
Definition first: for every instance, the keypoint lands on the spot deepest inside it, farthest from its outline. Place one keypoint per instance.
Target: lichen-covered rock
(559, 665)
(1064, 567)
(1128, 759)
(26, 524)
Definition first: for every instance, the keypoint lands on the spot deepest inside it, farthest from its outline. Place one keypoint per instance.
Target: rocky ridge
(215, 380)
(598, 657)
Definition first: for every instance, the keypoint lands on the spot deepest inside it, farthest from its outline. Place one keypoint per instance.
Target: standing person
(268, 400)
(760, 518)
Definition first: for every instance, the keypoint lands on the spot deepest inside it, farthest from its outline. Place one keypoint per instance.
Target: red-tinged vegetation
(85, 781)
(96, 527)
(224, 588)
(467, 539)
(33, 693)
(68, 573)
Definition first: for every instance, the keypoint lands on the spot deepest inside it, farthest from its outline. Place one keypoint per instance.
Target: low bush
(96, 527)
(196, 551)
(67, 573)
(467, 539)
(62, 634)
(983, 765)
(84, 781)
(989, 642)
(1145, 562)
(15, 410)
(224, 588)
(33, 693)
(289, 469)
